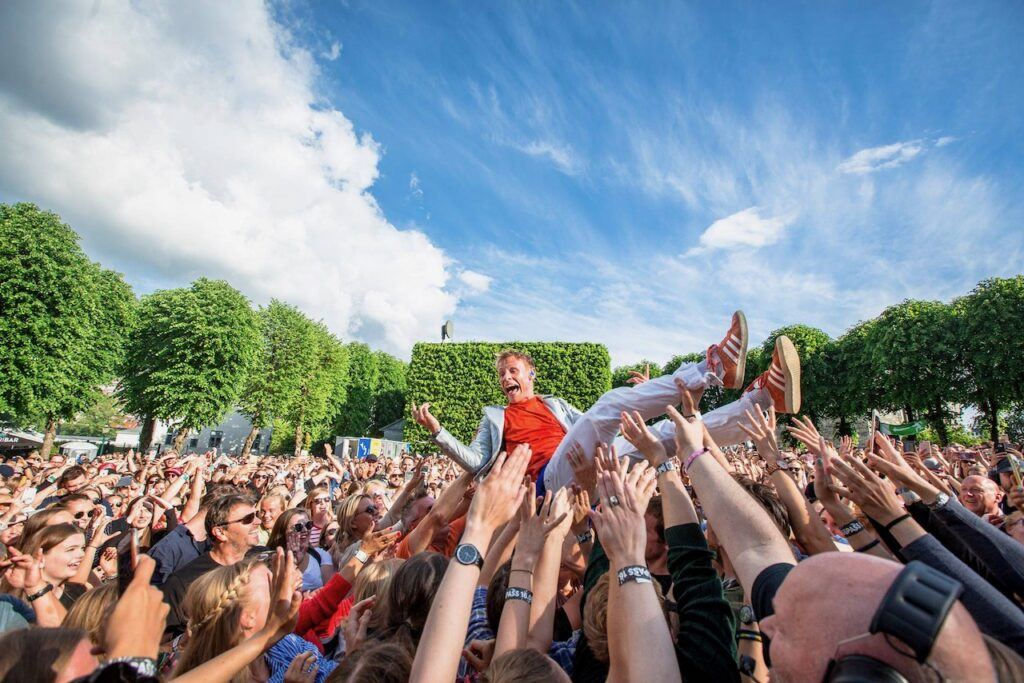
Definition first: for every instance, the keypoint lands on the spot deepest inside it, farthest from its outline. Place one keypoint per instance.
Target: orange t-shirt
(455, 530)
(531, 422)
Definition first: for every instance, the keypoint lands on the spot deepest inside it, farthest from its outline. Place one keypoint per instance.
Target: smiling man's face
(516, 379)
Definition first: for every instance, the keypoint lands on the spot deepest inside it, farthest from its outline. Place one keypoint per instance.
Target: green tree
(322, 390)
(288, 353)
(355, 416)
(96, 420)
(993, 349)
(621, 373)
(190, 354)
(63, 320)
(389, 398)
(916, 345)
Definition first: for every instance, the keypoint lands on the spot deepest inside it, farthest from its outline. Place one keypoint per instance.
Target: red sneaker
(782, 378)
(728, 359)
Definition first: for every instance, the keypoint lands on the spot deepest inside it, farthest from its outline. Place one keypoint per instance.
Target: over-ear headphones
(913, 610)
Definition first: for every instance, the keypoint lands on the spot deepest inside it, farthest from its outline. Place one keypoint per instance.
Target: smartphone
(909, 446)
(1000, 447)
(408, 475)
(116, 526)
(127, 548)
(925, 446)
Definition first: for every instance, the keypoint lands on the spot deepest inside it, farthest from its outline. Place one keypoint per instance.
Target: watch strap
(667, 466)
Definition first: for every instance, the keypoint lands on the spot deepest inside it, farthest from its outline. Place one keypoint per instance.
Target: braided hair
(214, 604)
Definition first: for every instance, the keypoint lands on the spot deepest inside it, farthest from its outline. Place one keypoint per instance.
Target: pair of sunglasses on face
(300, 527)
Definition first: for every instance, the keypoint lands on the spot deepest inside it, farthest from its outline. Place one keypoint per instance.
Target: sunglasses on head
(248, 519)
(299, 527)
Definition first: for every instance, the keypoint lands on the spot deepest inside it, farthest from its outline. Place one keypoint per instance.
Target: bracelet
(694, 456)
(869, 546)
(890, 525)
(513, 593)
(527, 571)
(749, 635)
(585, 537)
(40, 593)
(851, 528)
(637, 573)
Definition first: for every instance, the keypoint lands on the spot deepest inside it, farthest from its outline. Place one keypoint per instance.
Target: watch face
(467, 554)
(747, 614)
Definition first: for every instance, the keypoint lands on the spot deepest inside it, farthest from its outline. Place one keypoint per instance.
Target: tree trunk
(909, 413)
(940, 424)
(249, 441)
(179, 439)
(51, 434)
(993, 421)
(844, 428)
(146, 435)
(298, 438)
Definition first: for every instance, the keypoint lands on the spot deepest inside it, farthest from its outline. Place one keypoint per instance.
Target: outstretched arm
(746, 531)
(472, 457)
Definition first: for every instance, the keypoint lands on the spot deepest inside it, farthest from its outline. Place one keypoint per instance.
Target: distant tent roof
(17, 440)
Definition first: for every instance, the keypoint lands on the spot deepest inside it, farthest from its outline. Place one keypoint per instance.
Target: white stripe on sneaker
(777, 384)
(729, 353)
(733, 342)
(776, 373)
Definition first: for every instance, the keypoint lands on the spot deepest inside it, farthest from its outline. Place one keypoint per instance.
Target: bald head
(832, 597)
(980, 495)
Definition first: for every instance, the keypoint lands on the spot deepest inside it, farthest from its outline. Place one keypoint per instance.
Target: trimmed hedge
(458, 380)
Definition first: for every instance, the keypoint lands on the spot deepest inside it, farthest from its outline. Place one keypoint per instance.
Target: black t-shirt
(72, 591)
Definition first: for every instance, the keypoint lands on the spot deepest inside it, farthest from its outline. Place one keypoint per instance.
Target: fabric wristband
(637, 573)
(667, 466)
(867, 547)
(513, 593)
(851, 528)
(585, 537)
(694, 456)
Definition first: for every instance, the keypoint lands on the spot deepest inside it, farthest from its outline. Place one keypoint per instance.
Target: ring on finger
(613, 500)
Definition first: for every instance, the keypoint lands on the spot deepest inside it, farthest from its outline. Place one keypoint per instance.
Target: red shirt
(532, 423)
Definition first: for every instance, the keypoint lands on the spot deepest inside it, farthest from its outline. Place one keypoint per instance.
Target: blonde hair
(525, 665)
(375, 579)
(347, 511)
(505, 354)
(595, 617)
(91, 611)
(214, 604)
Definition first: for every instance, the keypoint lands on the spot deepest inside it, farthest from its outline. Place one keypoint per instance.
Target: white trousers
(600, 424)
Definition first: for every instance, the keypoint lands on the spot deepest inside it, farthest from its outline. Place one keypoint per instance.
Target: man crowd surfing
(638, 541)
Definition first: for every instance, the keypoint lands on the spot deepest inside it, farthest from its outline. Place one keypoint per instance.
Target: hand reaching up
(501, 492)
(761, 431)
(421, 414)
(805, 431)
(357, 622)
(583, 468)
(285, 596)
(636, 432)
(875, 496)
(620, 519)
(137, 623)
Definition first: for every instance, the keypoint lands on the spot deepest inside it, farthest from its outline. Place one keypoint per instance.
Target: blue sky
(628, 173)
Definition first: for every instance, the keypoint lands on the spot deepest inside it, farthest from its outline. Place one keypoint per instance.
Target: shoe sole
(790, 361)
(741, 364)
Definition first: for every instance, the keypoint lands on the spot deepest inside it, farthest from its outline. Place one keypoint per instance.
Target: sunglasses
(80, 514)
(261, 476)
(371, 509)
(299, 527)
(248, 519)
(318, 501)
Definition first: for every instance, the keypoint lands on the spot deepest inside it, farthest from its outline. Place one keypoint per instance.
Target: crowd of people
(638, 541)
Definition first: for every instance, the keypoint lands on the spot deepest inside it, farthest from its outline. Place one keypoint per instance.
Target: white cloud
(945, 140)
(478, 283)
(745, 228)
(187, 139)
(414, 186)
(878, 158)
(561, 155)
(333, 53)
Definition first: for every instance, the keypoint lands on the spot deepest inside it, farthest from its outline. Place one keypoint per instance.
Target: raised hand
(24, 571)
(535, 526)
(636, 377)
(635, 431)
(876, 497)
(689, 433)
(358, 620)
(580, 510)
(137, 623)
(379, 541)
(584, 469)
(498, 497)
(805, 431)
(285, 596)
(421, 414)
(606, 459)
(762, 432)
(620, 519)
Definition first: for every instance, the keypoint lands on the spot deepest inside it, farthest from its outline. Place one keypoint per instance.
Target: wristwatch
(467, 554)
(586, 537)
(144, 666)
(940, 501)
(773, 467)
(40, 593)
(746, 614)
(667, 466)
(362, 556)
